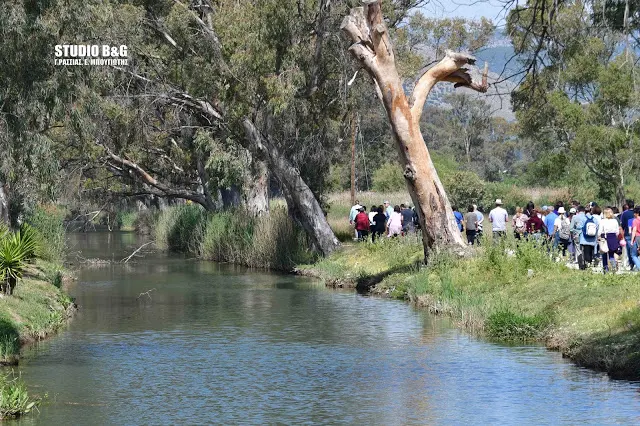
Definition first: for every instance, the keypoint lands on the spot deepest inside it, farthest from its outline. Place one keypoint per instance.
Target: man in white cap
(498, 218)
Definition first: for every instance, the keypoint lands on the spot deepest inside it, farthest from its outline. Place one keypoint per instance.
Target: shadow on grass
(365, 282)
(9, 342)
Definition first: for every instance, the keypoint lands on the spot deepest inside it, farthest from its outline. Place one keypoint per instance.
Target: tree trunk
(299, 196)
(256, 187)
(372, 48)
(620, 198)
(4, 204)
(353, 159)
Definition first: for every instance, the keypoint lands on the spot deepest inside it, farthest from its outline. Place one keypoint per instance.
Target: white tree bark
(372, 47)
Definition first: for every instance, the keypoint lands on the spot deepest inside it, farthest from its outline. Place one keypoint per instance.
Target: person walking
(577, 222)
(479, 223)
(394, 225)
(520, 223)
(608, 231)
(535, 226)
(388, 209)
(588, 239)
(498, 218)
(458, 216)
(471, 225)
(379, 224)
(372, 213)
(562, 228)
(635, 238)
(355, 209)
(626, 222)
(549, 222)
(407, 219)
(362, 224)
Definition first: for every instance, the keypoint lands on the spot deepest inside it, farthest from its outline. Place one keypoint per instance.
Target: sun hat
(561, 210)
(498, 201)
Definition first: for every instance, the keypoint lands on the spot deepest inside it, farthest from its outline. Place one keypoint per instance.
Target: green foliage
(14, 253)
(14, 397)
(464, 188)
(180, 228)
(125, 220)
(388, 178)
(507, 325)
(272, 241)
(47, 222)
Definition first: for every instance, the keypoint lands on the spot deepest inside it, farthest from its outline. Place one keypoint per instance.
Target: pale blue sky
(491, 9)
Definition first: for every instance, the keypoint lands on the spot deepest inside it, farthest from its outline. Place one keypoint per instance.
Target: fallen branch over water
(126, 259)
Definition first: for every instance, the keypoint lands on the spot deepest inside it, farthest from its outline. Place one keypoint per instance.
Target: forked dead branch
(372, 48)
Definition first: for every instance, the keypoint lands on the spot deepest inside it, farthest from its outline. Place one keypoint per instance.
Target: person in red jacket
(362, 224)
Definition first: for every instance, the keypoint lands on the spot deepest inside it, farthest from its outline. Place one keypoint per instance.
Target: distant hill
(498, 96)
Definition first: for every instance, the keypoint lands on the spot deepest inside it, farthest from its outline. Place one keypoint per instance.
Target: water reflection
(221, 344)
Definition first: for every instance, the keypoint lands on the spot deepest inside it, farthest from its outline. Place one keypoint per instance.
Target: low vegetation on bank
(33, 306)
(505, 292)
(272, 241)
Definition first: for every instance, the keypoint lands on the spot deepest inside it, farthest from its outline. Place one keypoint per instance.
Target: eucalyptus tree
(373, 49)
(582, 104)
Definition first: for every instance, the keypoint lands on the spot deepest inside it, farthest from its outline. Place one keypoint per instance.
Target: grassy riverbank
(592, 318)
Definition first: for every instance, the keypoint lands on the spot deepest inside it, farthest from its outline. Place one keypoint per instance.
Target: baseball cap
(572, 210)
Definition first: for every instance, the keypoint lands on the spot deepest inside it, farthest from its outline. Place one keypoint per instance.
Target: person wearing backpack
(562, 228)
(588, 239)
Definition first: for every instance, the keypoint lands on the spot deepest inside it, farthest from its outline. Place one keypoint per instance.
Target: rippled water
(222, 344)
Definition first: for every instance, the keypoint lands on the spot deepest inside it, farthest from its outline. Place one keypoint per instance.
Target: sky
(491, 9)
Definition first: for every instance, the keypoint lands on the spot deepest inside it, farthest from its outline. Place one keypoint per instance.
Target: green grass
(36, 310)
(594, 318)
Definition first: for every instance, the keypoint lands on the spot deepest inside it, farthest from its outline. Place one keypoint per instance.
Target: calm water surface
(222, 344)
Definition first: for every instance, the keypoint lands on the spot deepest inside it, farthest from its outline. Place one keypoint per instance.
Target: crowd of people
(585, 235)
(382, 220)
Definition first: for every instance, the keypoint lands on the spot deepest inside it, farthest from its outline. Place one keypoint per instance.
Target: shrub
(271, 241)
(464, 188)
(14, 398)
(48, 225)
(126, 220)
(507, 325)
(180, 228)
(388, 177)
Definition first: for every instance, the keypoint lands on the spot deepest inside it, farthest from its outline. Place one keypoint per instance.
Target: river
(210, 343)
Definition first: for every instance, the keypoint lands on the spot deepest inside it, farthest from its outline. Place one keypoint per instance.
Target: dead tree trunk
(306, 207)
(372, 48)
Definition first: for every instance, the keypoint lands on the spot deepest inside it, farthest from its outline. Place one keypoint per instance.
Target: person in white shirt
(352, 215)
(608, 230)
(498, 218)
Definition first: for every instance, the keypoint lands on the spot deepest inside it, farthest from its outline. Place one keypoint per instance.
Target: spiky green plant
(29, 238)
(15, 249)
